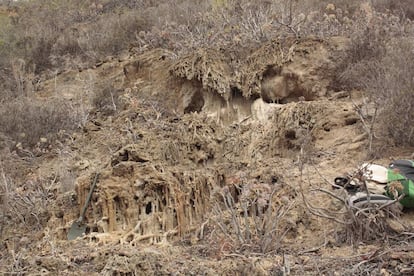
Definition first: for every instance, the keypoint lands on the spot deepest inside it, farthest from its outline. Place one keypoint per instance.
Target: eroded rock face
(263, 111)
(277, 72)
(161, 186)
(167, 164)
(274, 89)
(146, 202)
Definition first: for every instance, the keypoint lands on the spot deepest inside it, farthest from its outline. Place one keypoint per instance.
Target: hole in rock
(351, 121)
(196, 103)
(290, 134)
(148, 208)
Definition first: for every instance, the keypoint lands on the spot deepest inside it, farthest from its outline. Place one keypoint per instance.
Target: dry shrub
(106, 36)
(25, 205)
(27, 120)
(403, 8)
(50, 34)
(107, 99)
(395, 98)
(46, 33)
(243, 23)
(221, 24)
(378, 61)
(369, 224)
(249, 218)
(364, 51)
(367, 221)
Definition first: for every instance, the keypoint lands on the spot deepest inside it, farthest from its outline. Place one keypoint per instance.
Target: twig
(372, 257)
(331, 194)
(228, 201)
(201, 231)
(235, 255)
(314, 249)
(310, 208)
(324, 178)
(392, 202)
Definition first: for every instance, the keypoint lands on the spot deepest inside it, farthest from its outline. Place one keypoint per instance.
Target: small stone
(356, 146)
(59, 214)
(139, 182)
(81, 165)
(396, 225)
(330, 7)
(360, 138)
(384, 272)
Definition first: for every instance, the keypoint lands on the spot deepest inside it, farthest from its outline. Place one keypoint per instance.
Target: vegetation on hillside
(39, 39)
(42, 39)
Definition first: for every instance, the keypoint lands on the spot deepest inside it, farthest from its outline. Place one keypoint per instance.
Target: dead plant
(366, 223)
(106, 99)
(26, 120)
(377, 61)
(25, 205)
(249, 220)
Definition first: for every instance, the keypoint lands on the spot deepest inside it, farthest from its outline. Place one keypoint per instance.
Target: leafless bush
(27, 120)
(403, 8)
(363, 52)
(395, 97)
(245, 22)
(358, 223)
(377, 61)
(369, 224)
(47, 34)
(251, 221)
(106, 99)
(24, 205)
(105, 36)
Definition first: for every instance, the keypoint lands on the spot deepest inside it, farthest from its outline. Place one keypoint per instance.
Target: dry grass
(403, 8)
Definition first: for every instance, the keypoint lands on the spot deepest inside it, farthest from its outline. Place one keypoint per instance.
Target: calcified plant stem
(228, 201)
(113, 101)
(4, 196)
(18, 69)
(368, 125)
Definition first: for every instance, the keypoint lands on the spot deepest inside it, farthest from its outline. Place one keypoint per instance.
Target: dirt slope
(188, 134)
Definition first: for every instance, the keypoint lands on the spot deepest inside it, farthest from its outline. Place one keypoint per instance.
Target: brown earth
(191, 140)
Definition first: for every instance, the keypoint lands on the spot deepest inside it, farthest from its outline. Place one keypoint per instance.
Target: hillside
(215, 160)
